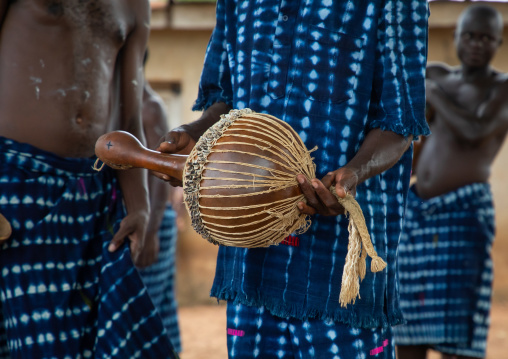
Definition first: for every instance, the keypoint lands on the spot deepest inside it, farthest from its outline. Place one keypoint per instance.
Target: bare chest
(92, 18)
(469, 95)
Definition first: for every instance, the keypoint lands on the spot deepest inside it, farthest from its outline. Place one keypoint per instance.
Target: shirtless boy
(445, 266)
(69, 70)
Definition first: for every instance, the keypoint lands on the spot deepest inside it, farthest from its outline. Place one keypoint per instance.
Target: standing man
(445, 252)
(69, 70)
(348, 76)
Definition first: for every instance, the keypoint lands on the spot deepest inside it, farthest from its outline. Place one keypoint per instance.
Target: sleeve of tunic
(215, 84)
(398, 96)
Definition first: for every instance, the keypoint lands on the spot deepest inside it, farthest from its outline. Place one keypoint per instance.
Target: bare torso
(448, 161)
(57, 71)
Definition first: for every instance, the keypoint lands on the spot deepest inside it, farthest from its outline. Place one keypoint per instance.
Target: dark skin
(470, 112)
(468, 116)
(155, 126)
(379, 151)
(69, 72)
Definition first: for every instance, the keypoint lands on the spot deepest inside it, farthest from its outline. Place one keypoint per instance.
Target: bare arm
(155, 126)
(379, 151)
(133, 183)
(490, 119)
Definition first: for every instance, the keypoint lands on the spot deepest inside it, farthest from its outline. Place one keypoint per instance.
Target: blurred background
(180, 31)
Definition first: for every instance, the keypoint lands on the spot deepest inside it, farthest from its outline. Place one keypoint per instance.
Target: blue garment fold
(62, 293)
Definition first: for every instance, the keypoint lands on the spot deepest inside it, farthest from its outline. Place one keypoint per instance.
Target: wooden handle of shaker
(121, 150)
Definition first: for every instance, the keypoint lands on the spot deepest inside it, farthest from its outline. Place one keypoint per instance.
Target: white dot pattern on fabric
(333, 70)
(447, 243)
(288, 338)
(61, 289)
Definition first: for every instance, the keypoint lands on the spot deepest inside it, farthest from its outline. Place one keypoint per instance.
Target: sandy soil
(203, 332)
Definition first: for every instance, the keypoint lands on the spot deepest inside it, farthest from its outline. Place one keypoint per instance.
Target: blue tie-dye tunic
(333, 70)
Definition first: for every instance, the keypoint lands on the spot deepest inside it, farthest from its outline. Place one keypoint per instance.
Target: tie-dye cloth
(254, 333)
(63, 295)
(333, 70)
(159, 278)
(445, 271)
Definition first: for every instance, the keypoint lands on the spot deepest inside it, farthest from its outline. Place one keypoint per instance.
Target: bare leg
(412, 351)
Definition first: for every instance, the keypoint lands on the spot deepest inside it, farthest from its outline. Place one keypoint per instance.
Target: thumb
(167, 147)
(340, 190)
(345, 184)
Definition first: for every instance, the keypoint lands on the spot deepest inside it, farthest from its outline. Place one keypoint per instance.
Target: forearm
(135, 190)
(209, 117)
(159, 195)
(379, 152)
(463, 123)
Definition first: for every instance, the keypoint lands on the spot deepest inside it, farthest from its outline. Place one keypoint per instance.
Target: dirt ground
(203, 332)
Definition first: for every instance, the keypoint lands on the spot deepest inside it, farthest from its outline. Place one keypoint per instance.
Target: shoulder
(500, 86)
(437, 70)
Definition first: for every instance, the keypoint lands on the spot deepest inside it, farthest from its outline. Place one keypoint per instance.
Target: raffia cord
(252, 166)
(96, 167)
(359, 246)
(279, 213)
(289, 168)
(287, 140)
(294, 199)
(262, 144)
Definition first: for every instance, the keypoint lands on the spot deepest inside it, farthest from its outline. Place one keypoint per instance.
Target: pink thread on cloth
(236, 332)
(82, 187)
(379, 349)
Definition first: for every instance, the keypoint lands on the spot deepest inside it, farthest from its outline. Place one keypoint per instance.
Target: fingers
(176, 141)
(319, 198)
(125, 231)
(341, 191)
(167, 147)
(175, 182)
(307, 191)
(172, 142)
(117, 240)
(346, 181)
(149, 253)
(135, 246)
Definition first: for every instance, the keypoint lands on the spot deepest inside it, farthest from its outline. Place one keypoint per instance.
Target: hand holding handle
(121, 150)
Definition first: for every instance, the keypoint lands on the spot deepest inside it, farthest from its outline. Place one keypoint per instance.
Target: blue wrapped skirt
(445, 271)
(62, 293)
